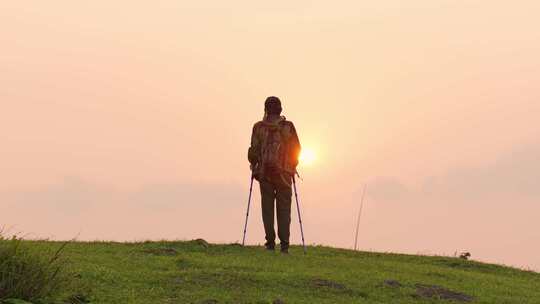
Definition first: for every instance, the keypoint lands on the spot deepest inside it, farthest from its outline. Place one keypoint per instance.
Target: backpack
(273, 148)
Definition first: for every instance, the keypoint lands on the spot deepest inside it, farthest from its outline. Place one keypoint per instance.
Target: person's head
(272, 106)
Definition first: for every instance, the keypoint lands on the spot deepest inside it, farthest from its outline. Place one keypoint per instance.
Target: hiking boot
(270, 246)
(284, 248)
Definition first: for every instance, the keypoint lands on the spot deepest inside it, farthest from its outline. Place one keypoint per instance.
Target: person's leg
(268, 196)
(283, 203)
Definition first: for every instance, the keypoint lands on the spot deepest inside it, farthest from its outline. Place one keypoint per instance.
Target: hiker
(273, 156)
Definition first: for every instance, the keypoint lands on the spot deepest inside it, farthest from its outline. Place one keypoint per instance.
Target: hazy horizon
(128, 121)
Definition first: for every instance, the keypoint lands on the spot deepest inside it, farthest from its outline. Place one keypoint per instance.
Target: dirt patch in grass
(77, 299)
(335, 287)
(392, 283)
(438, 292)
(329, 284)
(178, 280)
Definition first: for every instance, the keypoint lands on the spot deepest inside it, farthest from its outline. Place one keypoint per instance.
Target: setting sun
(307, 156)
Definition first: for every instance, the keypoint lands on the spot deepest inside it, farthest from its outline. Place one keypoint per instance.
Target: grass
(28, 274)
(195, 272)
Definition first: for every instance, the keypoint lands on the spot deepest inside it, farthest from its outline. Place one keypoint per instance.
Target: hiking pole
(247, 212)
(359, 215)
(299, 217)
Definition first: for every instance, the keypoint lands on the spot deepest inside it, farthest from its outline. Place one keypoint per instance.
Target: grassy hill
(197, 272)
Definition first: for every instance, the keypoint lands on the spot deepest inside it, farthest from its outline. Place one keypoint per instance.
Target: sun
(307, 157)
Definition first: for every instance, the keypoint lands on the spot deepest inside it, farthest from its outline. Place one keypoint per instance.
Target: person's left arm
(294, 146)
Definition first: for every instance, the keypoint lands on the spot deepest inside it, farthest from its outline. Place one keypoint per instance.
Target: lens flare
(307, 157)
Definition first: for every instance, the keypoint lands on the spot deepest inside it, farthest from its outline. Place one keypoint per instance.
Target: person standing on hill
(273, 156)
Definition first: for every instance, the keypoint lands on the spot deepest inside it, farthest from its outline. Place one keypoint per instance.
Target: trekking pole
(359, 216)
(247, 212)
(299, 217)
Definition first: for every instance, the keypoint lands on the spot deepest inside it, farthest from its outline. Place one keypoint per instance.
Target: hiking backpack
(273, 148)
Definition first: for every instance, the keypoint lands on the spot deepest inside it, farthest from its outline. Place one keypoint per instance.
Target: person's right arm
(254, 149)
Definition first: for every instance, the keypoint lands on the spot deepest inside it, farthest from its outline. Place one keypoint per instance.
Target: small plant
(26, 274)
(465, 255)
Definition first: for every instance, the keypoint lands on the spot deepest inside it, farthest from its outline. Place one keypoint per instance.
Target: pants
(276, 189)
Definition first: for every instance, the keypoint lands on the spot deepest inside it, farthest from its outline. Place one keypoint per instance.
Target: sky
(130, 120)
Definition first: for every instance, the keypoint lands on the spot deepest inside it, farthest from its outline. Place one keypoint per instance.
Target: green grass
(28, 274)
(189, 272)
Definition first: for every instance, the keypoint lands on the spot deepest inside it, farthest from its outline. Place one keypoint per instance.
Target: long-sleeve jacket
(290, 147)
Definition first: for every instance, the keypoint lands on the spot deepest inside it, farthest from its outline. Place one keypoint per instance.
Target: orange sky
(130, 120)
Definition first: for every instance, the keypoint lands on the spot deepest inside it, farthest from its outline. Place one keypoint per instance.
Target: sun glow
(307, 157)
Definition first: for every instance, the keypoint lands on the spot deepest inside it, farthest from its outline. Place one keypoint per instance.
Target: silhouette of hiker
(273, 156)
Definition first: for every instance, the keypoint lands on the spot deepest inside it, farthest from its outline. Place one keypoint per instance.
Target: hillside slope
(197, 272)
